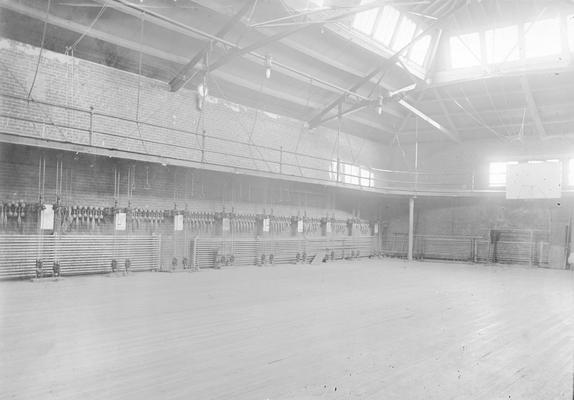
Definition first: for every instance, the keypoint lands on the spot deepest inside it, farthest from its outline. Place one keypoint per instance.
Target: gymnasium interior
(286, 199)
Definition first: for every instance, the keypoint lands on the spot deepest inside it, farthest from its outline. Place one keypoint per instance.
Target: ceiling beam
(532, 108)
(238, 52)
(166, 56)
(70, 25)
(186, 30)
(429, 120)
(341, 113)
(154, 52)
(446, 115)
(317, 55)
(386, 63)
(183, 76)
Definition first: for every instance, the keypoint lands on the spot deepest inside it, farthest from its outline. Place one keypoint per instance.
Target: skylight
(502, 44)
(387, 25)
(404, 34)
(365, 21)
(393, 30)
(542, 38)
(465, 50)
(419, 50)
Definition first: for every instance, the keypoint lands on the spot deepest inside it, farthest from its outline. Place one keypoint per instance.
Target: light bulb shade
(380, 105)
(202, 90)
(268, 72)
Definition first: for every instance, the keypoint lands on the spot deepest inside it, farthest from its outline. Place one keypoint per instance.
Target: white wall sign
(266, 225)
(178, 223)
(226, 225)
(47, 217)
(120, 221)
(300, 226)
(534, 181)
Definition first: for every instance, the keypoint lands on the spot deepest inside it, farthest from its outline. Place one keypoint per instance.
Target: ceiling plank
(183, 76)
(281, 35)
(167, 56)
(186, 30)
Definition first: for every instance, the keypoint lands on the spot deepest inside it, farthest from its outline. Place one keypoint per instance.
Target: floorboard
(383, 329)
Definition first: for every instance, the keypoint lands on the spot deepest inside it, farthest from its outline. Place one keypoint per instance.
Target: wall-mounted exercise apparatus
(3, 215)
(13, 214)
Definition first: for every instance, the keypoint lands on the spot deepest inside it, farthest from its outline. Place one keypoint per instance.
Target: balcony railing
(102, 132)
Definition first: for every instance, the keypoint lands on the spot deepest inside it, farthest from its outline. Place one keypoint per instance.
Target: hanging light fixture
(380, 105)
(201, 93)
(268, 64)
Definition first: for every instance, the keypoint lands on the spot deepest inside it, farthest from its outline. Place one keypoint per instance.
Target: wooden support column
(411, 228)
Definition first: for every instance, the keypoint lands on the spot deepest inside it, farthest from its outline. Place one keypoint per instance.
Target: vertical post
(411, 228)
(91, 124)
(530, 261)
(158, 267)
(203, 146)
(474, 252)
(281, 160)
(194, 254)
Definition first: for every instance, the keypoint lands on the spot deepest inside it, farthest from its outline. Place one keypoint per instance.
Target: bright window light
(333, 170)
(419, 50)
(366, 178)
(351, 174)
(404, 34)
(502, 45)
(465, 50)
(315, 4)
(365, 21)
(497, 173)
(542, 38)
(387, 25)
(570, 23)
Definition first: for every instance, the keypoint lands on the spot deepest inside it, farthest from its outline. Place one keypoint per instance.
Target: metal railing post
(91, 125)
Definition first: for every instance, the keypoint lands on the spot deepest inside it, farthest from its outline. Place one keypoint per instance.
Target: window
(497, 173)
(404, 34)
(333, 170)
(387, 25)
(542, 38)
(315, 4)
(351, 174)
(502, 44)
(365, 21)
(465, 50)
(542, 161)
(366, 178)
(570, 23)
(419, 50)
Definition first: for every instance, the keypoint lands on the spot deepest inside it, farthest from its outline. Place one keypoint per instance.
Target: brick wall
(476, 216)
(170, 124)
(89, 180)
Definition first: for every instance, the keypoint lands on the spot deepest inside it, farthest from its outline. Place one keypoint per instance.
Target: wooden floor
(381, 329)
